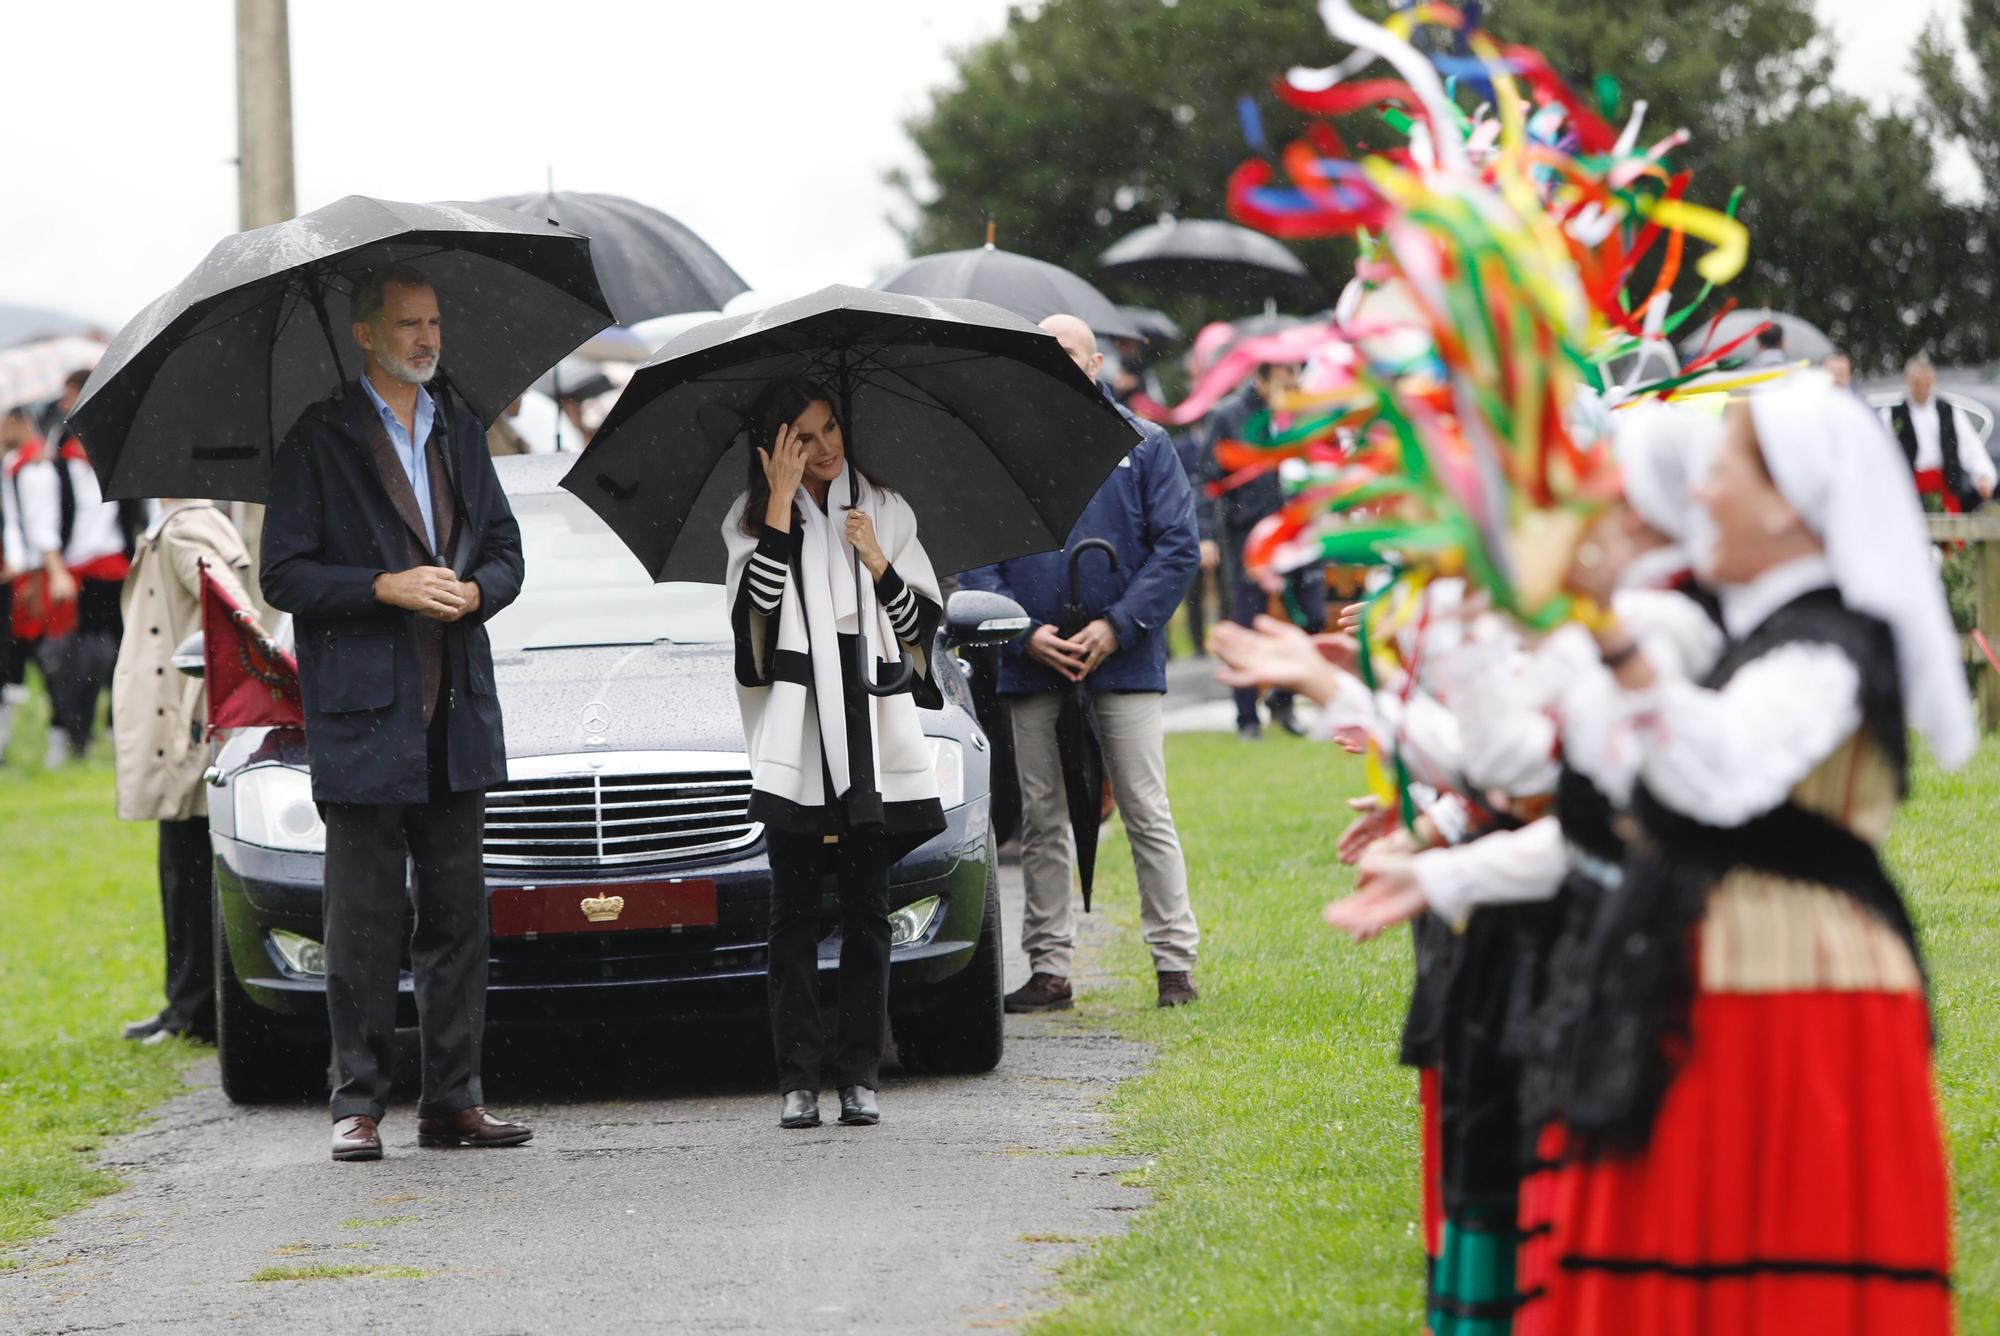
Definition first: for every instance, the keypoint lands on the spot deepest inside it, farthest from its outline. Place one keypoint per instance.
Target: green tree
(1087, 118)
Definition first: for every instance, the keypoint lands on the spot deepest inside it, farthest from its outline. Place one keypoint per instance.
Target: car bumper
(612, 973)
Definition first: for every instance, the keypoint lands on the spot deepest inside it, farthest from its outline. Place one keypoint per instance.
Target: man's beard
(407, 372)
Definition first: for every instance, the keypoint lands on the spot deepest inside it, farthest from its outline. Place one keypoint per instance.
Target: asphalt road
(658, 1195)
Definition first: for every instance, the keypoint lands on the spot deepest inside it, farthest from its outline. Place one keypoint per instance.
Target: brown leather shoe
(1176, 988)
(356, 1138)
(471, 1127)
(1042, 992)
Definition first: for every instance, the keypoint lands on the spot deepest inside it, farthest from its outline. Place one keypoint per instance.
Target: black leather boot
(801, 1109)
(857, 1107)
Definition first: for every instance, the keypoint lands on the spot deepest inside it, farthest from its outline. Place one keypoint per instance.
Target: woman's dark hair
(780, 402)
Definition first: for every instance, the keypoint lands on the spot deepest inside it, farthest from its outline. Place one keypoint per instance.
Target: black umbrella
(648, 263)
(1201, 257)
(196, 392)
(1032, 289)
(978, 418)
(1076, 733)
(1156, 327)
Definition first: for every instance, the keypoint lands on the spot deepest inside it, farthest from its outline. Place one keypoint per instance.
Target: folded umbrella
(978, 418)
(1077, 739)
(195, 394)
(1030, 288)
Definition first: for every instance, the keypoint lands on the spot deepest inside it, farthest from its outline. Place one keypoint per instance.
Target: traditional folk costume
(1750, 1138)
(1943, 451)
(1500, 893)
(844, 782)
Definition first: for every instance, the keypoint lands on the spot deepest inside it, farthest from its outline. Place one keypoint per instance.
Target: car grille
(607, 820)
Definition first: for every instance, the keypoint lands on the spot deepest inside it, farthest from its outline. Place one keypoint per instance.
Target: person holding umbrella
(1145, 513)
(843, 778)
(389, 540)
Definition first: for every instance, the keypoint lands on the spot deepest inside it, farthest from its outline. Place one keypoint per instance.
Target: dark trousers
(368, 848)
(187, 893)
(802, 866)
(1306, 588)
(78, 666)
(1207, 584)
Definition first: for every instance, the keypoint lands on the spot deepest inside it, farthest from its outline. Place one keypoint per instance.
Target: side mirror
(976, 617)
(189, 657)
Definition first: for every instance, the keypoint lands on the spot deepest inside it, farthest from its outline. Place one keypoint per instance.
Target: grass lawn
(79, 956)
(1282, 1134)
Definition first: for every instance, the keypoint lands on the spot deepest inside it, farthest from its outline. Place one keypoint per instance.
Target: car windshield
(584, 587)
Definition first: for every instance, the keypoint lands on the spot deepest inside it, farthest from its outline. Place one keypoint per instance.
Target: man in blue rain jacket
(1145, 510)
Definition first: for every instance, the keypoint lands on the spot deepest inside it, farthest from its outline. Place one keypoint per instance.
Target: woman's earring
(1588, 555)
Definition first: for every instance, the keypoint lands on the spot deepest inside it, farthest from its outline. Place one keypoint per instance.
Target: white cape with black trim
(781, 681)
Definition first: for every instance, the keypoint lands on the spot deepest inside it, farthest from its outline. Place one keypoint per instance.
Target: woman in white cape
(844, 780)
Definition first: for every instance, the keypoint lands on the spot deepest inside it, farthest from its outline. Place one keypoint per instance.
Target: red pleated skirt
(1795, 1181)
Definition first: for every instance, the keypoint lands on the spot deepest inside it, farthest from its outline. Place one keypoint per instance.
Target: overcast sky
(765, 125)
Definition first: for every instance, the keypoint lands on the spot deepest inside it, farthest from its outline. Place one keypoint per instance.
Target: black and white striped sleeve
(764, 581)
(900, 603)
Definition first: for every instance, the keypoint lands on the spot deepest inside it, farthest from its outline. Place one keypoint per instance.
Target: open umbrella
(194, 395)
(1076, 733)
(1201, 257)
(648, 263)
(32, 372)
(978, 418)
(1030, 288)
(1156, 327)
(1804, 340)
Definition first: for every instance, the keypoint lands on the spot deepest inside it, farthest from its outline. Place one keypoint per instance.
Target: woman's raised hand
(784, 468)
(861, 537)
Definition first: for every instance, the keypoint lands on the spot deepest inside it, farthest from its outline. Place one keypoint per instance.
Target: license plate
(596, 906)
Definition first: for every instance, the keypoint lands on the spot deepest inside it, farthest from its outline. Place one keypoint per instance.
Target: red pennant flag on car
(252, 683)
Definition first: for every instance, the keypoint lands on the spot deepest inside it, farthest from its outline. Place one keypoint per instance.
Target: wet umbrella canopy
(648, 263)
(1030, 288)
(1206, 258)
(978, 418)
(1077, 739)
(1804, 342)
(195, 394)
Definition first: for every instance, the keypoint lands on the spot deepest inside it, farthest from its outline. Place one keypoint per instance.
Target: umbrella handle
(906, 670)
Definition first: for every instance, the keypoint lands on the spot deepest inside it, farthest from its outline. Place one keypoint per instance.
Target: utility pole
(263, 166)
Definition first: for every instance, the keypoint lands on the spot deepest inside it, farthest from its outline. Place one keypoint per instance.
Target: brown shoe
(1176, 988)
(1042, 992)
(473, 1127)
(356, 1138)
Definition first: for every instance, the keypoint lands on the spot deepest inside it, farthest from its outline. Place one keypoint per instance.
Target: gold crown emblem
(602, 908)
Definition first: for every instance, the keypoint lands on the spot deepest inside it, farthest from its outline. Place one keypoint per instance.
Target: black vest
(1954, 472)
(1641, 982)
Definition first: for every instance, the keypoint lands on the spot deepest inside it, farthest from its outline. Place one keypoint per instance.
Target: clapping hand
(1386, 892)
(1372, 822)
(1272, 654)
(784, 468)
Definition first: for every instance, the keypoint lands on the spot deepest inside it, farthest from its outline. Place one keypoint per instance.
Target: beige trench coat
(158, 715)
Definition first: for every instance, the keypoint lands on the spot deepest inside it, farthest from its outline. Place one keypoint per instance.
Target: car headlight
(912, 921)
(950, 760)
(274, 808)
(302, 955)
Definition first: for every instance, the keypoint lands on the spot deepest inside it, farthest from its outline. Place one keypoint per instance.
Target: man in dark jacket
(1145, 510)
(1239, 510)
(390, 542)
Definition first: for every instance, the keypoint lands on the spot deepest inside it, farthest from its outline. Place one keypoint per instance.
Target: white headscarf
(1661, 451)
(1831, 458)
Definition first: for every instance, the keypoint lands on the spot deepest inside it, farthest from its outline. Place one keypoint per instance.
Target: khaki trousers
(1135, 757)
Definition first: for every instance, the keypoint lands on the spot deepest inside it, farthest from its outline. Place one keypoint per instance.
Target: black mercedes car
(623, 873)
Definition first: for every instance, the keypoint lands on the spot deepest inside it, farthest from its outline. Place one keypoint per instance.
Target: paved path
(658, 1195)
